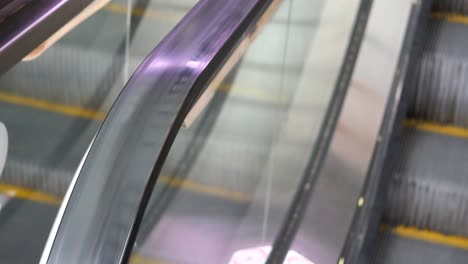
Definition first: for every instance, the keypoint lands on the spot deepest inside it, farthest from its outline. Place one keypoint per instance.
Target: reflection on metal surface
(106, 204)
(333, 203)
(31, 24)
(329, 66)
(360, 202)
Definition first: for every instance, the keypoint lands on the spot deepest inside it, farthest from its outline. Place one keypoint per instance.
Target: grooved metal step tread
(428, 184)
(439, 94)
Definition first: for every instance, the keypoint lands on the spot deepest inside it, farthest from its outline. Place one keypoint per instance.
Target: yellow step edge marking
(437, 128)
(150, 13)
(261, 95)
(29, 194)
(138, 259)
(451, 17)
(431, 236)
(51, 107)
(205, 189)
(214, 191)
(80, 112)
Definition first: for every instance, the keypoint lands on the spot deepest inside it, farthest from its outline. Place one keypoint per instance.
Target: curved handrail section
(100, 216)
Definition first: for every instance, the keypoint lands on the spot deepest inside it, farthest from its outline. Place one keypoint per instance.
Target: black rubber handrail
(27, 24)
(102, 211)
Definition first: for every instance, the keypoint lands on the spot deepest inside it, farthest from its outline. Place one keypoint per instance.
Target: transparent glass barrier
(230, 176)
(53, 105)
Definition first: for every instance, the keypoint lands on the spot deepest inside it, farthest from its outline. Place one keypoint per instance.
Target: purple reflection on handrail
(35, 20)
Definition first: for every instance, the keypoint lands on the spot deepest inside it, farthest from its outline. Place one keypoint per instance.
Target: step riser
(440, 94)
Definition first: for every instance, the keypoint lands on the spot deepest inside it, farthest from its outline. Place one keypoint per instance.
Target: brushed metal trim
(338, 188)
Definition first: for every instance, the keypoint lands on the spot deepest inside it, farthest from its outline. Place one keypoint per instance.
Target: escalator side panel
(359, 244)
(339, 181)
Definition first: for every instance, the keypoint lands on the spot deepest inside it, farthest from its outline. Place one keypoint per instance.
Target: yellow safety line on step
(437, 128)
(51, 107)
(29, 194)
(210, 190)
(431, 236)
(80, 112)
(253, 93)
(150, 13)
(90, 114)
(205, 189)
(138, 259)
(451, 17)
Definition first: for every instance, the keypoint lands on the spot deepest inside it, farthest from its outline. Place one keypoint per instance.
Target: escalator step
(395, 249)
(429, 182)
(451, 6)
(440, 94)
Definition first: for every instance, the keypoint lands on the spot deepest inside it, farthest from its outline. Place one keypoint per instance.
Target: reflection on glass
(230, 177)
(52, 107)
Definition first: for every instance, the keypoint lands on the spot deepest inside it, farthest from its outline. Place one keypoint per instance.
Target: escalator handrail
(130, 149)
(30, 24)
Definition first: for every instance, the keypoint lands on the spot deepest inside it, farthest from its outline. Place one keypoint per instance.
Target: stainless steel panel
(337, 191)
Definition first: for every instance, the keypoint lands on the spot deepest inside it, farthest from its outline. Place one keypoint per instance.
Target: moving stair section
(425, 218)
